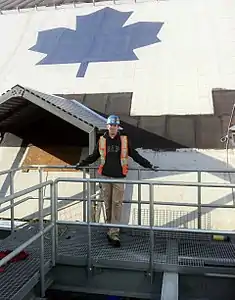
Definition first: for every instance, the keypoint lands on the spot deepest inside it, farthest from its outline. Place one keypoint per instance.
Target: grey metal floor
(175, 249)
(17, 274)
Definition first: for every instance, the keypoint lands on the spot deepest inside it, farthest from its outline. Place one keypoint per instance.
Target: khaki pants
(112, 194)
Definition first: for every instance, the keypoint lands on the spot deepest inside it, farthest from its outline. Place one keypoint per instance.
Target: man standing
(113, 149)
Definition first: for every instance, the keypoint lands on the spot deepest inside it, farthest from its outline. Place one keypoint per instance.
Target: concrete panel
(181, 130)
(119, 104)
(130, 120)
(208, 132)
(223, 102)
(97, 102)
(154, 124)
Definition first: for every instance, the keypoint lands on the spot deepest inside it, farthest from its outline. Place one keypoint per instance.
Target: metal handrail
(72, 167)
(151, 226)
(132, 169)
(41, 232)
(88, 181)
(145, 182)
(138, 182)
(139, 170)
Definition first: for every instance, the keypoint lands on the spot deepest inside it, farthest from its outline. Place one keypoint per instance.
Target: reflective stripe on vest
(123, 157)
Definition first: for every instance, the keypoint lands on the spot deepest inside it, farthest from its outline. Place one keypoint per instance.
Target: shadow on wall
(193, 131)
(180, 160)
(10, 140)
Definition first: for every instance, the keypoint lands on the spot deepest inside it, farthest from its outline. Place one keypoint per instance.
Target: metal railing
(42, 230)
(151, 203)
(139, 171)
(54, 192)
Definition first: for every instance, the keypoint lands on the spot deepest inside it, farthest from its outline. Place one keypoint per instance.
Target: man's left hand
(155, 168)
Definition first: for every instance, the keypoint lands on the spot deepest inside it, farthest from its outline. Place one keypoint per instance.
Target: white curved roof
(169, 54)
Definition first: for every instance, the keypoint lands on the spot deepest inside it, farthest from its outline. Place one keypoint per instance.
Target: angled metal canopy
(71, 111)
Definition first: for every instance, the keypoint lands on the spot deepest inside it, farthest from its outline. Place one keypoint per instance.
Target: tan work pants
(113, 194)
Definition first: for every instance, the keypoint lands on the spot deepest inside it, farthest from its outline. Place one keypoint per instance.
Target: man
(113, 148)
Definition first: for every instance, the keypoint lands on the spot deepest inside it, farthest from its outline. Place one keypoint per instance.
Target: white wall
(172, 75)
(164, 215)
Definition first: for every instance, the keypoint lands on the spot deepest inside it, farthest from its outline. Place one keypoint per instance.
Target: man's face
(113, 129)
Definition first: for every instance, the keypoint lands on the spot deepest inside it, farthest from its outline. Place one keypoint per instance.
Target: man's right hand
(77, 167)
(155, 168)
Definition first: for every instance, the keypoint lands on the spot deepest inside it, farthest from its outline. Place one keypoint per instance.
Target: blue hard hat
(113, 120)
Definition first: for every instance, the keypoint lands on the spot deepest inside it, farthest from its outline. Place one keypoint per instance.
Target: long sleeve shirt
(112, 166)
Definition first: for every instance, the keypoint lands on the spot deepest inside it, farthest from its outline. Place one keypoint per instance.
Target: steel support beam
(170, 286)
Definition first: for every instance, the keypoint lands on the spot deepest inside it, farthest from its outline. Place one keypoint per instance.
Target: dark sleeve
(91, 158)
(137, 157)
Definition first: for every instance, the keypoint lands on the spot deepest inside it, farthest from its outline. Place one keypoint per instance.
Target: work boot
(113, 238)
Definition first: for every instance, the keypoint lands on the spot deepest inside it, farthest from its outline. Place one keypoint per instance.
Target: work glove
(155, 168)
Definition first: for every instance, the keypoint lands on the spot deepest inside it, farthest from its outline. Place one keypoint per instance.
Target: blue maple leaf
(99, 37)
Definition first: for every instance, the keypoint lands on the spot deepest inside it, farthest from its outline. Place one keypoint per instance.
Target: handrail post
(84, 205)
(42, 271)
(139, 199)
(151, 209)
(199, 201)
(53, 221)
(12, 201)
(56, 216)
(89, 226)
(40, 174)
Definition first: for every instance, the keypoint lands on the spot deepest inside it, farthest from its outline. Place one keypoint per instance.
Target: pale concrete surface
(176, 75)
(164, 215)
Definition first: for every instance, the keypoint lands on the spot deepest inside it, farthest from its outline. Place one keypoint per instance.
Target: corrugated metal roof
(72, 108)
(25, 4)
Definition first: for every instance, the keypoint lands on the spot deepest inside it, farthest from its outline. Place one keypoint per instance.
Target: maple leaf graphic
(99, 37)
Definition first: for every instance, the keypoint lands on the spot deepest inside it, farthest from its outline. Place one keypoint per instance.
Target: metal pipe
(41, 227)
(151, 223)
(69, 199)
(147, 182)
(53, 244)
(147, 202)
(131, 169)
(84, 196)
(12, 201)
(4, 172)
(94, 224)
(139, 199)
(199, 200)
(25, 191)
(15, 204)
(89, 227)
(7, 258)
(142, 227)
(40, 174)
(56, 216)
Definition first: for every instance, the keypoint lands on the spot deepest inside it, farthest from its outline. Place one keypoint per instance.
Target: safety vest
(123, 157)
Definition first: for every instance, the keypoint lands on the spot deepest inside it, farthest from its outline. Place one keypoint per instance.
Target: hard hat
(113, 120)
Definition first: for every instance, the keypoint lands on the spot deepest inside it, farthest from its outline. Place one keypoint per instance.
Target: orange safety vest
(123, 157)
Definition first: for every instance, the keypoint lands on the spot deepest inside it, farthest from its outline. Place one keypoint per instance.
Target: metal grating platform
(175, 248)
(17, 275)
